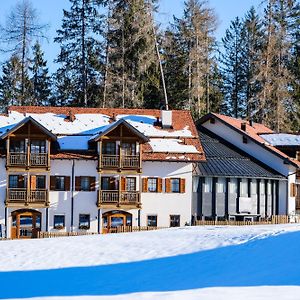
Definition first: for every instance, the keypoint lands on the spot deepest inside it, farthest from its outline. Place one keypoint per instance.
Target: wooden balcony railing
(22, 196)
(27, 159)
(119, 162)
(118, 198)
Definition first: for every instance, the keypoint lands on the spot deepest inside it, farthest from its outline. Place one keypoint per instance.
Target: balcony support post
(140, 157)
(100, 156)
(48, 153)
(8, 151)
(27, 189)
(28, 147)
(120, 191)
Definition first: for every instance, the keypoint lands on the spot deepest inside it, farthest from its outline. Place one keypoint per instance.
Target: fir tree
(40, 80)
(233, 70)
(80, 55)
(132, 66)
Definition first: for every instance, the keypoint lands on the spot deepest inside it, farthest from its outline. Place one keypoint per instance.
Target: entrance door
(114, 219)
(25, 224)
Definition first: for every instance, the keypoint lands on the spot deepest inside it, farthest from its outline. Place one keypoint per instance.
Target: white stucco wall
(165, 204)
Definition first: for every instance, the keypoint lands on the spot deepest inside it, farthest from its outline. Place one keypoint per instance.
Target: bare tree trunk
(83, 55)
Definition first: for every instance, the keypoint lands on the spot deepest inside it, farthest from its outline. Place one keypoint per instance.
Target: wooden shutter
(33, 182)
(159, 185)
(168, 185)
(293, 190)
(77, 183)
(52, 183)
(92, 183)
(67, 183)
(182, 185)
(21, 181)
(145, 185)
(123, 183)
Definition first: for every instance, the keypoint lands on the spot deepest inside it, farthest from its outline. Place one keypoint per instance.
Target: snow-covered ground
(211, 263)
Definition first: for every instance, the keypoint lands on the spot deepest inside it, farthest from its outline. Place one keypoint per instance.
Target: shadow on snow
(271, 261)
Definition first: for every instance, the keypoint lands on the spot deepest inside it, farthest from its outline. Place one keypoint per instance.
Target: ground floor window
(84, 221)
(59, 221)
(174, 220)
(152, 221)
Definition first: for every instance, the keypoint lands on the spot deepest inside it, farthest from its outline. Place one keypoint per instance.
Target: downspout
(72, 196)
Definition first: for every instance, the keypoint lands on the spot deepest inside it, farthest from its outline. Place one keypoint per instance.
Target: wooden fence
(121, 229)
(43, 234)
(273, 220)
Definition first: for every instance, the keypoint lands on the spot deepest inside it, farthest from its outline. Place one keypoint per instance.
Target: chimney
(166, 118)
(71, 116)
(243, 126)
(251, 122)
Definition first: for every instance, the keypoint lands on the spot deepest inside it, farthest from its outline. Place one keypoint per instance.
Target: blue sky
(50, 11)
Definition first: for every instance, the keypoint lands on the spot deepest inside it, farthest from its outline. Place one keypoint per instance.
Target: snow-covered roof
(282, 139)
(87, 124)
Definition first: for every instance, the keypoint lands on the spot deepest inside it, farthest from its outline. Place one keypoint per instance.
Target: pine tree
(81, 52)
(254, 39)
(132, 66)
(21, 27)
(40, 80)
(11, 83)
(233, 70)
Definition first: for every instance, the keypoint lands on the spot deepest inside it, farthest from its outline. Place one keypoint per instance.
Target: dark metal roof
(226, 160)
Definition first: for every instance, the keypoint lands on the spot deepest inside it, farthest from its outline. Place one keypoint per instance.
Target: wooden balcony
(23, 197)
(28, 160)
(119, 162)
(117, 199)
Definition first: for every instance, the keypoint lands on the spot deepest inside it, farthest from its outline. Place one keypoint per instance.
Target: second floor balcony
(115, 198)
(25, 197)
(108, 161)
(19, 159)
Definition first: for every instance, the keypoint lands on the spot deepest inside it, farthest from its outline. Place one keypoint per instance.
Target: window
(244, 188)
(152, 221)
(175, 185)
(85, 183)
(207, 185)
(174, 220)
(60, 183)
(233, 186)
(13, 181)
(128, 148)
(59, 221)
(253, 187)
(40, 182)
(84, 221)
(220, 185)
(109, 183)
(152, 185)
(269, 188)
(262, 187)
(130, 184)
(17, 146)
(109, 148)
(38, 146)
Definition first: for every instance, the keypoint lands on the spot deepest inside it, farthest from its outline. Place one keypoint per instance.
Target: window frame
(83, 226)
(87, 181)
(156, 184)
(58, 226)
(171, 185)
(150, 216)
(175, 216)
(61, 187)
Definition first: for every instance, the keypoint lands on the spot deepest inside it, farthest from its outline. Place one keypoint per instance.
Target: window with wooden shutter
(293, 190)
(145, 185)
(168, 185)
(92, 183)
(182, 185)
(159, 185)
(77, 183)
(52, 183)
(67, 183)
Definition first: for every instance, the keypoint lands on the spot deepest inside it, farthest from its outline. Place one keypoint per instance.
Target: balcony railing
(27, 159)
(25, 197)
(118, 198)
(119, 162)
